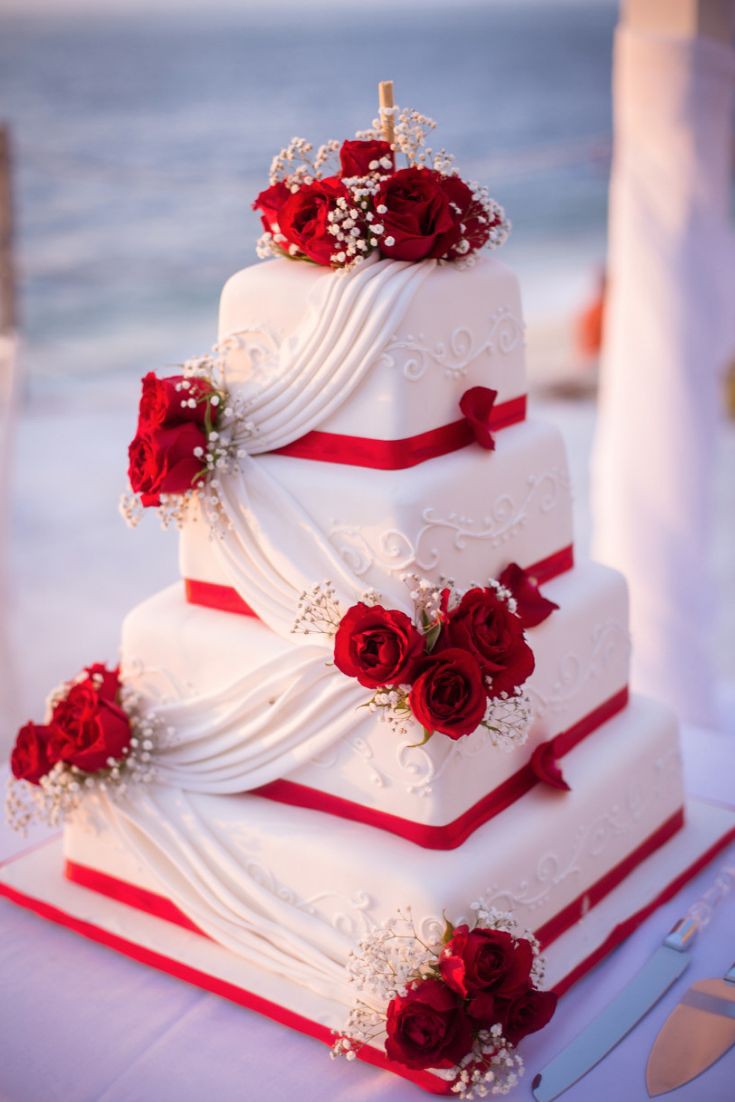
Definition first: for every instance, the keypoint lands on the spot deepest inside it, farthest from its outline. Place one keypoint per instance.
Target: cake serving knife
(620, 1016)
(633, 1003)
(698, 1031)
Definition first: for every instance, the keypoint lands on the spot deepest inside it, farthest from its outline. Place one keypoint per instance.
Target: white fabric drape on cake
(260, 727)
(228, 899)
(349, 320)
(290, 708)
(671, 263)
(293, 707)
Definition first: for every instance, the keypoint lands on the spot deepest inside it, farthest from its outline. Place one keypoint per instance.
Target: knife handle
(682, 934)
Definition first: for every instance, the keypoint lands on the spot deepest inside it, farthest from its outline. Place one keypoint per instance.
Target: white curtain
(669, 329)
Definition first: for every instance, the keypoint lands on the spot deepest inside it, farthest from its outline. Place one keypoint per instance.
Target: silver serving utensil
(618, 1018)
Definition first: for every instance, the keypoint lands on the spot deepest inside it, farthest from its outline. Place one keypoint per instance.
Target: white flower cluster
(319, 611)
(390, 959)
(61, 791)
(508, 719)
(295, 165)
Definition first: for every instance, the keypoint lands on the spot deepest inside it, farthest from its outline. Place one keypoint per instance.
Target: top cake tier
(461, 327)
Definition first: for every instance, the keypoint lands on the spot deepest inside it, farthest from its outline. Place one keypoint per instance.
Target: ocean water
(141, 139)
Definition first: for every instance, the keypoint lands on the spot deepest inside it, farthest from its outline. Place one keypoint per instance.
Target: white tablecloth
(79, 1023)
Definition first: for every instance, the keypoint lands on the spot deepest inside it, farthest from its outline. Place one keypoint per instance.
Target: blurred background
(140, 134)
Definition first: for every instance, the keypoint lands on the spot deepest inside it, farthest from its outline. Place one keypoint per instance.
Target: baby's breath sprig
(508, 719)
(319, 611)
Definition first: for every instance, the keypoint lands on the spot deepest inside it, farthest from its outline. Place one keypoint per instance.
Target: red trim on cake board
(224, 598)
(296, 1021)
(396, 455)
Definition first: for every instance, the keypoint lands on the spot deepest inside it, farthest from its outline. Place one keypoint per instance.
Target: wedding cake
(378, 738)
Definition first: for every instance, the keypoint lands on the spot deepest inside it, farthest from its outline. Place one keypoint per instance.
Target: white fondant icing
(464, 515)
(581, 651)
(426, 361)
(347, 324)
(293, 888)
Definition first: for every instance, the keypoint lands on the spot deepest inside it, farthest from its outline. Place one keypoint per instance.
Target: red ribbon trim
(396, 455)
(626, 928)
(221, 597)
(588, 899)
(455, 833)
(289, 1018)
(226, 599)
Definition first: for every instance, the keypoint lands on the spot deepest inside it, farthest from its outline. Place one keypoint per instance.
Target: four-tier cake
(382, 722)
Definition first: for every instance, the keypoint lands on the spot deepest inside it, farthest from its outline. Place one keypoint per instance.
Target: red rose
(269, 203)
(161, 401)
(304, 218)
(32, 756)
(419, 221)
(483, 624)
(532, 608)
(476, 406)
(87, 729)
(356, 157)
(427, 1027)
(527, 1013)
(449, 694)
(378, 646)
(471, 218)
(105, 682)
(475, 961)
(163, 461)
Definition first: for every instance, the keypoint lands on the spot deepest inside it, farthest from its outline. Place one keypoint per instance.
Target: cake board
(35, 880)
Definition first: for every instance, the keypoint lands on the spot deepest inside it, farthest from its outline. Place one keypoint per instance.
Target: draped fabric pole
(670, 306)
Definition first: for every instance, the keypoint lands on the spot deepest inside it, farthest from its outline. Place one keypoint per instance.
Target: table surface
(80, 1023)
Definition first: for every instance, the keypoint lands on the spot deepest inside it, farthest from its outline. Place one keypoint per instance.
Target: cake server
(618, 1018)
(698, 1031)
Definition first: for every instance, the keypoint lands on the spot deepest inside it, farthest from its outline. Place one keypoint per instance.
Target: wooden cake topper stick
(385, 98)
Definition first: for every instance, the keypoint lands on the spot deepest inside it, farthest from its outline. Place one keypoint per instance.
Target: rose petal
(532, 607)
(476, 405)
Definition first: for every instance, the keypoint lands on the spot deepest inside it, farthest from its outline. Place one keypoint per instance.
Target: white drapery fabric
(669, 328)
(227, 899)
(292, 707)
(260, 727)
(349, 320)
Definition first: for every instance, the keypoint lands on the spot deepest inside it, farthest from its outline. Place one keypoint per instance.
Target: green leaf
(448, 930)
(424, 740)
(432, 636)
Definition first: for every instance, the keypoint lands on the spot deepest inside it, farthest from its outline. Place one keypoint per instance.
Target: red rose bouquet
(456, 999)
(458, 664)
(189, 430)
(94, 736)
(342, 203)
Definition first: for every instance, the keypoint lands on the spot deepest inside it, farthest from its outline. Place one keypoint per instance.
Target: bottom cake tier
(144, 929)
(300, 887)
